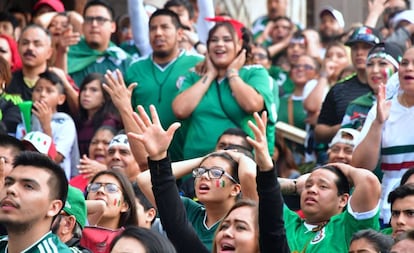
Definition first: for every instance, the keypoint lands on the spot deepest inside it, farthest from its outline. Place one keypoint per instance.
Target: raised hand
(154, 138)
(383, 106)
(116, 88)
(259, 143)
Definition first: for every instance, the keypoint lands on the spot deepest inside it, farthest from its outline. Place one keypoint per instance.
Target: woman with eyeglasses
(111, 205)
(291, 110)
(227, 94)
(240, 226)
(112, 190)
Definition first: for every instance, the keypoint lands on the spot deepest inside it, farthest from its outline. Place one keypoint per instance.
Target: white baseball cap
(335, 13)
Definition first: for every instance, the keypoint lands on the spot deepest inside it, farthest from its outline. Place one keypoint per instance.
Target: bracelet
(197, 44)
(232, 77)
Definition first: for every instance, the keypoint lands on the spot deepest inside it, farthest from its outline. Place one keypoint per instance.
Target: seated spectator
(111, 206)
(138, 239)
(329, 227)
(342, 146)
(48, 93)
(272, 236)
(95, 161)
(95, 110)
(369, 240)
(71, 220)
(217, 186)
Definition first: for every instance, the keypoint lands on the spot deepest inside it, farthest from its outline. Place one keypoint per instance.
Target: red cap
(237, 25)
(56, 5)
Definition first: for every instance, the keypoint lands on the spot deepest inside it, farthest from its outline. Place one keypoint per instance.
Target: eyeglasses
(108, 187)
(304, 66)
(213, 173)
(100, 20)
(260, 56)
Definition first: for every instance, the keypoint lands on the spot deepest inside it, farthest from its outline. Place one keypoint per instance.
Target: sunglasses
(260, 56)
(108, 187)
(213, 173)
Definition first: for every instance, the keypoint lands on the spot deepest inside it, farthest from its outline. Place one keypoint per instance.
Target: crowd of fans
(160, 130)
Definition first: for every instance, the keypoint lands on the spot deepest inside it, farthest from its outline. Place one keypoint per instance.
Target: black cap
(364, 34)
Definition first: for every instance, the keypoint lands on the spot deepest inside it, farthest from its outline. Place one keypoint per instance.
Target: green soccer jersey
(298, 112)
(48, 243)
(357, 111)
(282, 79)
(159, 86)
(218, 110)
(196, 214)
(83, 60)
(335, 236)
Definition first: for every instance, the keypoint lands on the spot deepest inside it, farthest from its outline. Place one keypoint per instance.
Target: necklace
(162, 82)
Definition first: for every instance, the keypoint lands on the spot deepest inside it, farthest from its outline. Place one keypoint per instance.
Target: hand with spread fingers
(262, 156)
(116, 88)
(154, 138)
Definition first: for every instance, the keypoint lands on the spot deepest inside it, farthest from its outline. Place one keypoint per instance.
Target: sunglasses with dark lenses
(213, 173)
(108, 187)
(260, 56)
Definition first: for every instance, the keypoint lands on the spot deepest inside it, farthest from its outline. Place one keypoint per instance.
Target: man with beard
(159, 75)
(32, 196)
(35, 49)
(331, 26)
(96, 52)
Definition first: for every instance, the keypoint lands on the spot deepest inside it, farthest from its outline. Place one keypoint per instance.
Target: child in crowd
(48, 94)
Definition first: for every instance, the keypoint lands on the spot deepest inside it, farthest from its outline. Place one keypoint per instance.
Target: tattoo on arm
(204, 79)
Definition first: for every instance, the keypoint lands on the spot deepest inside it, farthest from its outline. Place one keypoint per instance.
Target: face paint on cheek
(387, 73)
(220, 183)
(117, 202)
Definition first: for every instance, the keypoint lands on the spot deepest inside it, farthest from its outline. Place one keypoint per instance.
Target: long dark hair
(246, 38)
(107, 109)
(130, 216)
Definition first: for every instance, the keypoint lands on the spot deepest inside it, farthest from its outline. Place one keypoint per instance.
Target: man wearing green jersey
(159, 74)
(33, 194)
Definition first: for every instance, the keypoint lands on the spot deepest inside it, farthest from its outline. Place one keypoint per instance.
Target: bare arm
(121, 97)
(324, 133)
(367, 188)
(363, 155)
(375, 9)
(313, 101)
(186, 102)
(246, 96)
